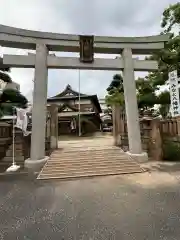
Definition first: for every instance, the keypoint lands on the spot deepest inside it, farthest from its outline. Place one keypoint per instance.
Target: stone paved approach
(87, 143)
(130, 207)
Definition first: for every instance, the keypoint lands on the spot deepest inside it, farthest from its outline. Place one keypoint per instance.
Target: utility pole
(79, 116)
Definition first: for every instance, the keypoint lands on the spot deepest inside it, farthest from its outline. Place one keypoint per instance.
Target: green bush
(171, 151)
(10, 98)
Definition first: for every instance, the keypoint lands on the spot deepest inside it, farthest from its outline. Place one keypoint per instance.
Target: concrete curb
(25, 175)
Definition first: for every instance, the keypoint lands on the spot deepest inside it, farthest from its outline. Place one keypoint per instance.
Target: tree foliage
(14, 96)
(115, 91)
(145, 93)
(164, 98)
(116, 98)
(146, 96)
(171, 17)
(4, 76)
(116, 85)
(9, 98)
(168, 59)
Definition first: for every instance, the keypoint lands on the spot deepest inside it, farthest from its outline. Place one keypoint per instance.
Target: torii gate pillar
(134, 138)
(39, 110)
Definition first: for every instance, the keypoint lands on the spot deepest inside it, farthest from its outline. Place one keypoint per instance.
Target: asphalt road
(130, 207)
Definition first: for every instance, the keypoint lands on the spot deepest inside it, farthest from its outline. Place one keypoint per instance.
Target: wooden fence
(169, 127)
(155, 133)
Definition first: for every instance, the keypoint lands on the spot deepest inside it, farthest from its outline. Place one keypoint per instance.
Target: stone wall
(145, 139)
(21, 147)
(5, 138)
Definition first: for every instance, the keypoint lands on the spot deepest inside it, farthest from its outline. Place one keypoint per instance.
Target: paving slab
(130, 207)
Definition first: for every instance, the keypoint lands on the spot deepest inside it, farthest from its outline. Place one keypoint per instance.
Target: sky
(95, 17)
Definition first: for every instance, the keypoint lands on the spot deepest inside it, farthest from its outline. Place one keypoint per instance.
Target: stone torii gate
(43, 42)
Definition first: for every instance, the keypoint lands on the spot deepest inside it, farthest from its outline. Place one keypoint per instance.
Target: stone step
(72, 149)
(87, 151)
(87, 174)
(90, 157)
(87, 162)
(87, 169)
(84, 152)
(78, 149)
(88, 154)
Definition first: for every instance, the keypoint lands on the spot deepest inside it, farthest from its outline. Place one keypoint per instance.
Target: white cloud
(114, 18)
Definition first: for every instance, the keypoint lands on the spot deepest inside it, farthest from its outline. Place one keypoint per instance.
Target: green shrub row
(171, 151)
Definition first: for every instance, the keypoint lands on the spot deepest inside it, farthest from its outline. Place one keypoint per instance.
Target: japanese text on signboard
(174, 93)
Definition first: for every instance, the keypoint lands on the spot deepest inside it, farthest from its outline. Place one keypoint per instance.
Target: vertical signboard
(174, 93)
(86, 49)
